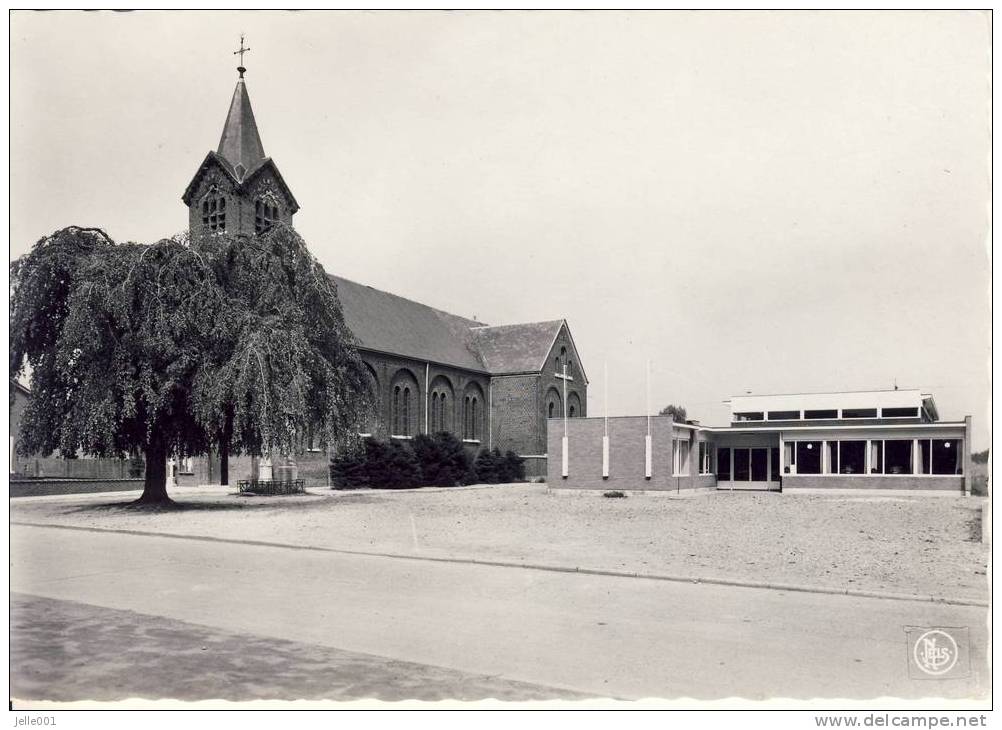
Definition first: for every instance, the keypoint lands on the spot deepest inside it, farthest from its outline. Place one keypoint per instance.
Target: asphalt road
(600, 635)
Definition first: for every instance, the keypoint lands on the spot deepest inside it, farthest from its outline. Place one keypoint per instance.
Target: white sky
(764, 202)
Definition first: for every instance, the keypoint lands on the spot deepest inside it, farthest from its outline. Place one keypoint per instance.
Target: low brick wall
(626, 456)
(792, 483)
(42, 487)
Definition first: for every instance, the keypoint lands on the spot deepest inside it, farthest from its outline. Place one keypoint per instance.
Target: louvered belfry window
(265, 216)
(214, 213)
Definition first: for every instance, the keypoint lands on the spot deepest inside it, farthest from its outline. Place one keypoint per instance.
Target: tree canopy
(676, 412)
(174, 347)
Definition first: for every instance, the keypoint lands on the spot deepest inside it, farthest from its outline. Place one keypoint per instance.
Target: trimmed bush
(348, 471)
(439, 460)
(513, 467)
(378, 464)
(493, 468)
(443, 459)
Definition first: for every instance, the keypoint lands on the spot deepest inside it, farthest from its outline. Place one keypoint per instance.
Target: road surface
(598, 635)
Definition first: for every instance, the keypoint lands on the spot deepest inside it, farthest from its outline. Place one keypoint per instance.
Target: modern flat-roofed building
(886, 440)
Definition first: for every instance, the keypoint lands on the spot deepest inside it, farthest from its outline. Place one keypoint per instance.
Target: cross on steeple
(241, 52)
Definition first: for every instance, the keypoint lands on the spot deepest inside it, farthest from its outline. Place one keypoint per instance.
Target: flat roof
(836, 427)
(911, 398)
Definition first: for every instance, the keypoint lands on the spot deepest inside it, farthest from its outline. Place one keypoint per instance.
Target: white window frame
(826, 469)
(677, 446)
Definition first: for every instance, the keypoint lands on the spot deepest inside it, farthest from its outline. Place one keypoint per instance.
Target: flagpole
(648, 471)
(605, 437)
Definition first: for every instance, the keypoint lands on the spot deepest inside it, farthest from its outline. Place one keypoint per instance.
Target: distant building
(884, 440)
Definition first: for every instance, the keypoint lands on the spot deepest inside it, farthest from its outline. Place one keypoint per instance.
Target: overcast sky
(763, 202)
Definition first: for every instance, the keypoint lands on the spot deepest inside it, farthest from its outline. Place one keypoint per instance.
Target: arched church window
(434, 412)
(395, 416)
(406, 431)
(214, 213)
(265, 215)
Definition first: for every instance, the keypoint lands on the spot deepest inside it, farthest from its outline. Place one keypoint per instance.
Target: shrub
(491, 467)
(614, 494)
(439, 460)
(348, 469)
(513, 467)
(391, 465)
(379, 465)
(443, 459)
(487, 467)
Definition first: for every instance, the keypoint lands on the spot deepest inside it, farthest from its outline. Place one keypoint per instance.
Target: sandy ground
(920, 545)
(66, 651)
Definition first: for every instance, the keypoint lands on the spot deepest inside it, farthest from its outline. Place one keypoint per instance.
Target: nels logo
(934, 652)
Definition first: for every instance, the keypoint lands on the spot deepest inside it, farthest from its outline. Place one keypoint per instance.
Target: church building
(491, 386)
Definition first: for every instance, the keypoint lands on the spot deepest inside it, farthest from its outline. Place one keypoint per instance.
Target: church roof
(516, 348)
(240, 144)
(392, 324)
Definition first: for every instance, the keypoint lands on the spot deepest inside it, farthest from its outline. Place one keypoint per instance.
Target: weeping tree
(176, 347)
(280, 362)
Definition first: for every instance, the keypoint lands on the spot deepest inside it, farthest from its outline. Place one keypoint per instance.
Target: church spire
(240, 144)
(237, 189)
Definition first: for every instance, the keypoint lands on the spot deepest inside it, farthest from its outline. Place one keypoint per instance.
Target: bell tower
(238, 189)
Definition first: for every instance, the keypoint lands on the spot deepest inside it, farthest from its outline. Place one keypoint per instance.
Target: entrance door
(750, 468)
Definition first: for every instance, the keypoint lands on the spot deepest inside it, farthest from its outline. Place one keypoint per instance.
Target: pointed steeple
(240, 144)
(236, 188)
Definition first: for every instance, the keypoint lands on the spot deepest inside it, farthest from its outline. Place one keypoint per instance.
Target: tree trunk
(155, 483)
(224, 463)
(224, 448)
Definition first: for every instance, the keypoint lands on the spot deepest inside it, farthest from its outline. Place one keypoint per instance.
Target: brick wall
(240, 209)
(84, 468)
(872, 481)
(515, 407)
(42, 487)
(440, 377)
(626, 455)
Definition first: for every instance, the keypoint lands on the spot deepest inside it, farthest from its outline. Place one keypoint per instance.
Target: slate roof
(516, 348)
(240, 143)
(392, 324)
(389, 323)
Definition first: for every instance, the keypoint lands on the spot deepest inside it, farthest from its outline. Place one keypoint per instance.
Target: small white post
(605, 437)
(648, 471)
